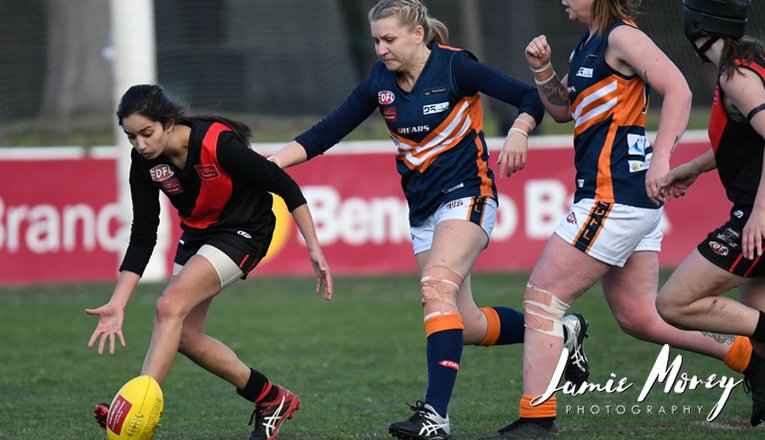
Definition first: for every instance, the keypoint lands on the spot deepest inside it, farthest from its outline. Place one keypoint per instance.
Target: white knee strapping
(440, 284)
(545, 301)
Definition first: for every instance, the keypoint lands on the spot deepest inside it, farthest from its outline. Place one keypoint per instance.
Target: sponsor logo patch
(454, 204)
(418, 129)
(450, 364)
(738, 213)
(435, 108)
(390, 114)
(638, 144)
(719, 248)
(162, 172)
(244, 234)
(166, 178)
(640, 165)
(584, 72)
(571, 218)
(117, 414)
(385, 97)
(730, 237)
(435, 91)
(207, 172)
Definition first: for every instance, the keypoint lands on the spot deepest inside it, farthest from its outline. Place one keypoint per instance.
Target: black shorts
(722, 247)
(245, 248)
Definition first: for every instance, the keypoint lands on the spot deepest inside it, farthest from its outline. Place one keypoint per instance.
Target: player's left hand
(323, 274)
(110, 318)
(753, 234)
(513, 156)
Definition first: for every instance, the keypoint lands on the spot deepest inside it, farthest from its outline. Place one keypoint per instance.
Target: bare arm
(304, 221)
(745, 91)
(552, 91)
(680, 178)
(291, 154)
(631, 51)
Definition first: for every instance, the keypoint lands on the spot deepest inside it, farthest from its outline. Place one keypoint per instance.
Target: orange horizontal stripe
(547, 409)
(451, 321)
(492, 327)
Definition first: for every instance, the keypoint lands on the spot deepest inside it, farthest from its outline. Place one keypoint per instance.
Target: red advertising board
(59, 217)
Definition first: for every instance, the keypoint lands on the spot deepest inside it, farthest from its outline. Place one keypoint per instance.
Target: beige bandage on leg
(439, 286)
(538, 300)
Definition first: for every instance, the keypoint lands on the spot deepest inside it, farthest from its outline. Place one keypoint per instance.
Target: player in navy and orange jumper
(428, 93)
(613, 232)
(222, 191)
(731, 255)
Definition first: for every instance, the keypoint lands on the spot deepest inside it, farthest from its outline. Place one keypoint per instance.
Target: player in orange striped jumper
(613, 232)
(429, 95)
(731, 255)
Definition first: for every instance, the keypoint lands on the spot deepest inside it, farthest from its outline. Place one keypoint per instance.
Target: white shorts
(227, 270)
(611, 232)
(481, 211)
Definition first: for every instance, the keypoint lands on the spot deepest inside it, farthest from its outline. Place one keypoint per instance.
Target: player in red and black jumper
(222, 191)
(428, 93)
(731, 255)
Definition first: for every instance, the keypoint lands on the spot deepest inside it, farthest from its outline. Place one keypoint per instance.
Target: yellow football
(135, 411)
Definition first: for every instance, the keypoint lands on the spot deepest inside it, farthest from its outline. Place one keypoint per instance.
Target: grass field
(355, 362)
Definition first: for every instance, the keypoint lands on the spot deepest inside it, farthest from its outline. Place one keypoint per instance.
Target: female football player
(613, 231)
(428, 93)
(730, 256)
(205, 168)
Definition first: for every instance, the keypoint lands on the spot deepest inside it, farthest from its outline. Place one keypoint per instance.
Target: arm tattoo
(674, 144)
(721, 338)
(554, 91)
(643, 74)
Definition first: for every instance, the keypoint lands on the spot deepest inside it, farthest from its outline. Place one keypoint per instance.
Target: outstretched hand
(323, 275)
(109, 325)
(679, 179)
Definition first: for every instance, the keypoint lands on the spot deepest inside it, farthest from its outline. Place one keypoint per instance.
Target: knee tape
(548, 323)
(440, 284)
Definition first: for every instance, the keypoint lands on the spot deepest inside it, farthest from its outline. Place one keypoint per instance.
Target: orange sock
(450, 321)
(739, 354)
(493, 326)
(547, 409)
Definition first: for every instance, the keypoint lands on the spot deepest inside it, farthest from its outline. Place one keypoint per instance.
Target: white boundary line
(267, 148)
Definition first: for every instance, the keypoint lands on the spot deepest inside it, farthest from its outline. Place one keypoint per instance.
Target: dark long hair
(744, 49)
(151, 102)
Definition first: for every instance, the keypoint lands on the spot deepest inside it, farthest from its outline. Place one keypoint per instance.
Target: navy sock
(444, 355)
(511, 328)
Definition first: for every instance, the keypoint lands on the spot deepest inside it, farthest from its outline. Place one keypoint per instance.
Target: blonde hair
(605, 11)
(411, 13)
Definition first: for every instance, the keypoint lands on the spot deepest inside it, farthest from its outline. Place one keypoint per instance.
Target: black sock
(759, 331)
(544, 422)
(256, 384)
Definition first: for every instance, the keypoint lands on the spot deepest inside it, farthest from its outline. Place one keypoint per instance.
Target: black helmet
(719, 18)
(714, 18)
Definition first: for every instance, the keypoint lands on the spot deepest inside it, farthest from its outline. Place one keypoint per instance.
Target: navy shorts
(722, 247)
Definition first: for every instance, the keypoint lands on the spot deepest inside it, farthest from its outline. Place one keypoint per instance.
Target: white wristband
(524, 122)
(539, 83)
(517, 130)
(541, 69)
